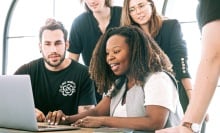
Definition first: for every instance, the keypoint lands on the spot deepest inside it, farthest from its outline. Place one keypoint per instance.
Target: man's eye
(59, 43)
(46, 43)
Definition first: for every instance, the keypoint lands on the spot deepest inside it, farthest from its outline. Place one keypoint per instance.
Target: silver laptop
(17, 110)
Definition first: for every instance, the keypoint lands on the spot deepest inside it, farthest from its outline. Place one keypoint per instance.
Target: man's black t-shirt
(59, 90)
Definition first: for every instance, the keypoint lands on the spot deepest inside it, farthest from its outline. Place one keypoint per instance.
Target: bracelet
(194, 127)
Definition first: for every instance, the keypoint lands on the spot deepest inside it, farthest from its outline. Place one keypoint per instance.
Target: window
(24, 27)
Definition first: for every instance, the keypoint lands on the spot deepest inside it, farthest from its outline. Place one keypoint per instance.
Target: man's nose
(53, 48)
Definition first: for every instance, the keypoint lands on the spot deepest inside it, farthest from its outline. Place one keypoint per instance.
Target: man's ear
(67, 44)
(39, 45)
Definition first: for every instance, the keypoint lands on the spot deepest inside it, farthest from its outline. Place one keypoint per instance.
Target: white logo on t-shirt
(67, 88)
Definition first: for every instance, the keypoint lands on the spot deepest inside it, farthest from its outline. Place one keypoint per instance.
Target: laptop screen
(16, 102)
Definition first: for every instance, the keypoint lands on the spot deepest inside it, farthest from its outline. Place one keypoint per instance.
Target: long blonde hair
(155, 21)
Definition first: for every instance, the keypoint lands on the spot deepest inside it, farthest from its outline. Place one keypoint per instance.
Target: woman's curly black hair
(146, 57)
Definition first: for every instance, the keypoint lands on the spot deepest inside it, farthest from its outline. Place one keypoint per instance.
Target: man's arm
(73, 56)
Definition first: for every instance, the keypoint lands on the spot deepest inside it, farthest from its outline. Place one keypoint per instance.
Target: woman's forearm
(207, 74)
(187, 84)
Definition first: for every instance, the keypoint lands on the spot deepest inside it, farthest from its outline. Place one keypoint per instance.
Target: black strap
(172, 77)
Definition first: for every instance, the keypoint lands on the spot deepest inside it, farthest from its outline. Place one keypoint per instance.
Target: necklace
(128, 86)
(125, 93)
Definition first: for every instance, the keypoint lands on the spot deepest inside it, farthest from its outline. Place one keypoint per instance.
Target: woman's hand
(89, 121)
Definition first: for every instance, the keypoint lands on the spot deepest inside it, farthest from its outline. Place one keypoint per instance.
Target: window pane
(28, 15)
(67, 10)
(21, 50)
(183, 10)
(193, 45)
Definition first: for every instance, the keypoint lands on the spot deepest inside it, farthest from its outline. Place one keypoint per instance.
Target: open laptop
(17, 110)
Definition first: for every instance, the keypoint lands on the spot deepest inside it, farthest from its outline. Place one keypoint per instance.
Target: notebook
(17, 110)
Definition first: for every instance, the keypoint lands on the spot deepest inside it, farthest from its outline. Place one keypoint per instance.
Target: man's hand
(40, 115)
(57, 117)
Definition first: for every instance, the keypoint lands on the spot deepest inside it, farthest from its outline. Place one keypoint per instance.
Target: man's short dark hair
(52, 24)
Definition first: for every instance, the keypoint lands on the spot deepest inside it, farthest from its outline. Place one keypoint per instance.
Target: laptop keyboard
(46, 126)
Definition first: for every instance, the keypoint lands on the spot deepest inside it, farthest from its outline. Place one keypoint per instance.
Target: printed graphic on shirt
(67, 88)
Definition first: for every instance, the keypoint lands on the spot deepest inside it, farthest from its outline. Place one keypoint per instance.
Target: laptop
(17, 110)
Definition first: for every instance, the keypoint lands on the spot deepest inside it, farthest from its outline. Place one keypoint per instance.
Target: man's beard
(57, 64)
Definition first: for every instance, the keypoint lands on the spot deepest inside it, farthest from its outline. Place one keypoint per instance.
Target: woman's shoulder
(170, 22)
(82, 16)
(162, 76)
(81, 21)
(169, 25)
(158, 76)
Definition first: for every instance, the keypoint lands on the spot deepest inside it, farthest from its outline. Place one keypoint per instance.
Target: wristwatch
(195, 127)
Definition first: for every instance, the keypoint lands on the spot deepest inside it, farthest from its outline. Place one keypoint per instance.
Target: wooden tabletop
(81, 130)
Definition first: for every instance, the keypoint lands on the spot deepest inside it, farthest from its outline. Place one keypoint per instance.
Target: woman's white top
(159, 89)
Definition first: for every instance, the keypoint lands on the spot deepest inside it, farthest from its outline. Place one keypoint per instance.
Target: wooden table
(81, 130)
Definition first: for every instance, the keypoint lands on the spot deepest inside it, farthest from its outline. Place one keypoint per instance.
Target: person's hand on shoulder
(40, 115)
(177, 129)
(57, 117)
